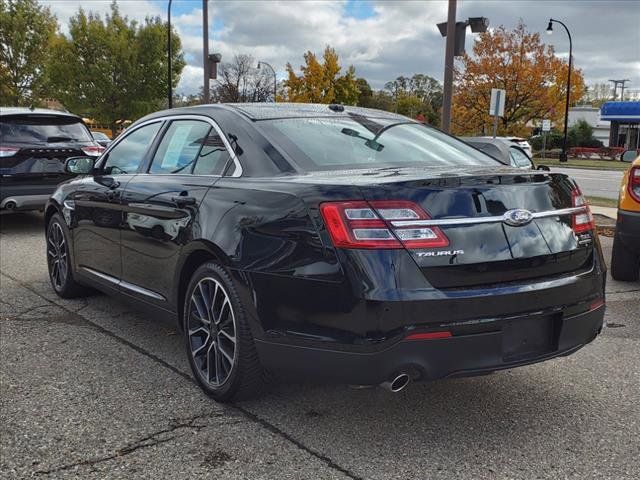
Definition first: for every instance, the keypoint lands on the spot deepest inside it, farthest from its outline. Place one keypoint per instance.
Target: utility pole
(205, 49)
(170, 92)
(447, 93)
(615, 88)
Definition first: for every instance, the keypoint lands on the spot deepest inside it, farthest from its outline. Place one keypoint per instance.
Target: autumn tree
(321, 82)
(26, 29)
(514, 60)
(419, 95)
(113, 68)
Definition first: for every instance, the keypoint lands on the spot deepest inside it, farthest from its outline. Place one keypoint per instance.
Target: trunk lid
(484, 246)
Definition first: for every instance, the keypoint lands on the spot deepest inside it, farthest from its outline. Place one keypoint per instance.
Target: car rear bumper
(628, 229)
(456, 356)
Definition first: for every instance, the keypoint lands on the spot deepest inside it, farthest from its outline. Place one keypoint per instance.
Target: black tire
(59, 260)
(625, 264)
(240, 379)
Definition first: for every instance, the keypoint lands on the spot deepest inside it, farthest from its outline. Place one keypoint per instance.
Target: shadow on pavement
(22, 222)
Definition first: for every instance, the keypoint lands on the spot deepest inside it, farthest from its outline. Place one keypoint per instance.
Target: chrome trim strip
(101, 275)
(122, 283)
(204, 118)
(451, 222)
(142, 291)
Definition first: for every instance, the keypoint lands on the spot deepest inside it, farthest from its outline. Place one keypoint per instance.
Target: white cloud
(400, 38)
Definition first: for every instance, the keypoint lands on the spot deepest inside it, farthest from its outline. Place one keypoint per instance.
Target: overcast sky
(384, 39)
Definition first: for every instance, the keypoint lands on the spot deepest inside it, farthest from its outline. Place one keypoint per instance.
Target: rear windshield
(362, 142)
(42, 129)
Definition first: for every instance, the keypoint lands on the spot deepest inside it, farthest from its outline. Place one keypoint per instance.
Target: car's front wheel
(625, 264)
(219, 343)
(59, 260)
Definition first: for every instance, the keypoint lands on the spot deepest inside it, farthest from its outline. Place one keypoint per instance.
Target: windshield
(42, 129)
(363, 142)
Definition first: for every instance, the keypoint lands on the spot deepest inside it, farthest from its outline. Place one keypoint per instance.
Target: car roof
(265, 111)
(498, 146)
(33, 111)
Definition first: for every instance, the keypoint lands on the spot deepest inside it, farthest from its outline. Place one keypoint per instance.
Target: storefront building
(625, 123)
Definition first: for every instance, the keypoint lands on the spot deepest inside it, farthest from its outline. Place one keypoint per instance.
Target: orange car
(625, 259)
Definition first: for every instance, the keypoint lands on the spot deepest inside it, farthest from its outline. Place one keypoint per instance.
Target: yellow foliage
(533, 76)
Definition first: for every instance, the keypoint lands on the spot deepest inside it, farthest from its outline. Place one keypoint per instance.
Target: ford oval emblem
(517, 217)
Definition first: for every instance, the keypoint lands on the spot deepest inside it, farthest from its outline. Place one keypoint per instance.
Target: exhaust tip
(397, 383)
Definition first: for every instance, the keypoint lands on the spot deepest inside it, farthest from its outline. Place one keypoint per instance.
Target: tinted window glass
(180, 146)
(213, 157)
(359, 142)
(42, 129)
(128, 154)
(519, 158)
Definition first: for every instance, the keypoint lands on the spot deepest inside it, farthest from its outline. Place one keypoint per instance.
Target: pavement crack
(248, 414)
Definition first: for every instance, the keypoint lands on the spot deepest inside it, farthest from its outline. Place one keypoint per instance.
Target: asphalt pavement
(91, 388)
(598, 183)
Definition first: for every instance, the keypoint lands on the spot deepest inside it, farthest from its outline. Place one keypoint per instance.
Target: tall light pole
(170, 92)
(563, 155)
(447, 90)
(205, 49)
(275, 78)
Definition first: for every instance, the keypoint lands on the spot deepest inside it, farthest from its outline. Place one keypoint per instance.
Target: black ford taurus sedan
(329, 242)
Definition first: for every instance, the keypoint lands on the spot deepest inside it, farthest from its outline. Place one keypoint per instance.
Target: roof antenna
(336, 107)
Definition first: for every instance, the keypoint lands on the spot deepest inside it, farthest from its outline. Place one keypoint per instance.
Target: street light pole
(564, 155)
(170, 93)
(275, 79)
(447, 90)
(205, 49)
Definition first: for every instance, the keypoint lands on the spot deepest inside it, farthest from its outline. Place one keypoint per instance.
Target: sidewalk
(604, 211)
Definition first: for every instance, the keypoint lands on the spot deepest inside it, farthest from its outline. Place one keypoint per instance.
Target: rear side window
(180, 146)
(42, 129)
(363, 142)
(213, 157)
(518, 158)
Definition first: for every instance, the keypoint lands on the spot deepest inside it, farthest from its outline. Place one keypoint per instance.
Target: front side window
(365, 142)
(179, 149)
(127, 156)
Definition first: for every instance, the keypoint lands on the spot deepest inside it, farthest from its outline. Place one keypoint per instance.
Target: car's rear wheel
(59, 260)
(219, 343)
(625, 264)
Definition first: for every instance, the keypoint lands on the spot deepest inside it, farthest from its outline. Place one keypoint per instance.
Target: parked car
(101, 138)
(34, 145)
(505, 151)
(329, 242)
(625, 258)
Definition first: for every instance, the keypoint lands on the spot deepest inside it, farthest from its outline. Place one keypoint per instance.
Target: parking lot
(93, 389)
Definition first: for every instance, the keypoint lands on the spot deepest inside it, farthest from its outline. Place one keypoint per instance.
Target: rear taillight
(8, 151)
(634, 183)
(360, 224)
(583, 221)
(93, 150)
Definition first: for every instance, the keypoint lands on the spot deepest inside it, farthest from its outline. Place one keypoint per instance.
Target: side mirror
(629, 156)
(543, 167)
(80, 165)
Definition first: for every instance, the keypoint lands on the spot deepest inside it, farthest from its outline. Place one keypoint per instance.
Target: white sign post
(496, 107)
(546, 127)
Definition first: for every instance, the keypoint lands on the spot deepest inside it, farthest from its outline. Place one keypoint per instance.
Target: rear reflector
(360, 224)
(93, 150)
(8, 151)
(582, 222)
(428, 335)
(634, 183)
(597, 304)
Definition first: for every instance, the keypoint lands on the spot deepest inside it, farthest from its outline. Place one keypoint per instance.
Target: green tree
(113, 69)
(580, 134)
(26, 29)
(321, 82)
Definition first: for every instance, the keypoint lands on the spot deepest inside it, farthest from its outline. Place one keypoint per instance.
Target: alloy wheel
(212, 332)
(57, 255)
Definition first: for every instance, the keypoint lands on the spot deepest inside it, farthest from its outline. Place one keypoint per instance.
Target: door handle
(182, 202)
